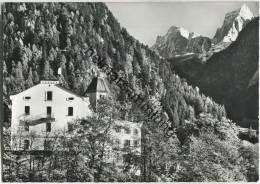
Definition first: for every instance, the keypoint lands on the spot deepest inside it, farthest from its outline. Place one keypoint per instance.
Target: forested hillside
(36, 36)
(41, 37)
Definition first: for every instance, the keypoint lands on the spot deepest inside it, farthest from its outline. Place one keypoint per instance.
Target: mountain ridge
(178, 41)
(230, 75)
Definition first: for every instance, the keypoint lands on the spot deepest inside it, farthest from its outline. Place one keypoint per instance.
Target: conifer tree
(29, 80)
(36, 78)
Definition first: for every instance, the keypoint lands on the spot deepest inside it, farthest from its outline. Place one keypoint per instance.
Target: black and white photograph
(143, 91)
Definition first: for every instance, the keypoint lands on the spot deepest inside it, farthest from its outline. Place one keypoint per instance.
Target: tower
(97, 89)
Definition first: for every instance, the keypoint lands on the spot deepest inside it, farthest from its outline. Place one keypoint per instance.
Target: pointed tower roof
(98, 84)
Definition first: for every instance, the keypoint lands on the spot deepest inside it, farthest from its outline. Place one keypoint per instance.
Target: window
(127, 143)
(26, 144)
(70, 144)
(27, 97)
(71, 98)
(47, 144)
(127, 131)
(48, 110)
(49, 95)
(135, 131)
(118, 129)
(70, 111)
(135, 143)
(117, 142)
(108, 154)
(48, 127)
(26, 126)
(27, 110)
(118, 157)
(70, 127)
(126, 158)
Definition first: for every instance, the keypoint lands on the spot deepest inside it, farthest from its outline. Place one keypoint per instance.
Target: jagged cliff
(179, 41)
(233, 23)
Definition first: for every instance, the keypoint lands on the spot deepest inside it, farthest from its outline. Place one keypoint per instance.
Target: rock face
(234, 22)
(229, 76)
(179, 41)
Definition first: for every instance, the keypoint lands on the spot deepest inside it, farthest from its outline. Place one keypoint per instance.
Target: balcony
(36, 120)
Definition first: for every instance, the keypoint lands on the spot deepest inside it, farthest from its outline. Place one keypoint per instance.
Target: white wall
(38, 105)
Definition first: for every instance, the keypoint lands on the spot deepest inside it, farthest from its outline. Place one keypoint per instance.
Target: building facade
(126, 144)
(43, 111)
(127, 134)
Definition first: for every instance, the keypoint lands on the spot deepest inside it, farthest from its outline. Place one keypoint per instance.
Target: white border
(161, 1)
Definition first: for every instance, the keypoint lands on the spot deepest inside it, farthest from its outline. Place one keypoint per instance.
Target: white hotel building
(48, 108)
(41, 110)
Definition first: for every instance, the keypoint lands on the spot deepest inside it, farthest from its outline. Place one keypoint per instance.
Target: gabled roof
(23, 91)
(56, 85)
(68, 90)
(41, 82)
(50, 80)
(98, 84)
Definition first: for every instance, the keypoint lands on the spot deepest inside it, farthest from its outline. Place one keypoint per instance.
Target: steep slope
(233, 23)
(229, 76)
(41, 37)
(179, 41)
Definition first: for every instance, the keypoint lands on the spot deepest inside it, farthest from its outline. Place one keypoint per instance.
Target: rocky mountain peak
(194, 35)
(245, 12)
(229, 76)
(182, 31)
(179, 41)
(233, 23)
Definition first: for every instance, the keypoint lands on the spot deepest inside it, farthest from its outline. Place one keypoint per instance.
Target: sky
(146, 20)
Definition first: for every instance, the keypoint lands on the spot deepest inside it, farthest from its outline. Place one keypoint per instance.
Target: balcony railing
(37, 119)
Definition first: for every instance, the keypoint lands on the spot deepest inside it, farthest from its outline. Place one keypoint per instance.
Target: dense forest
(39, 38)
